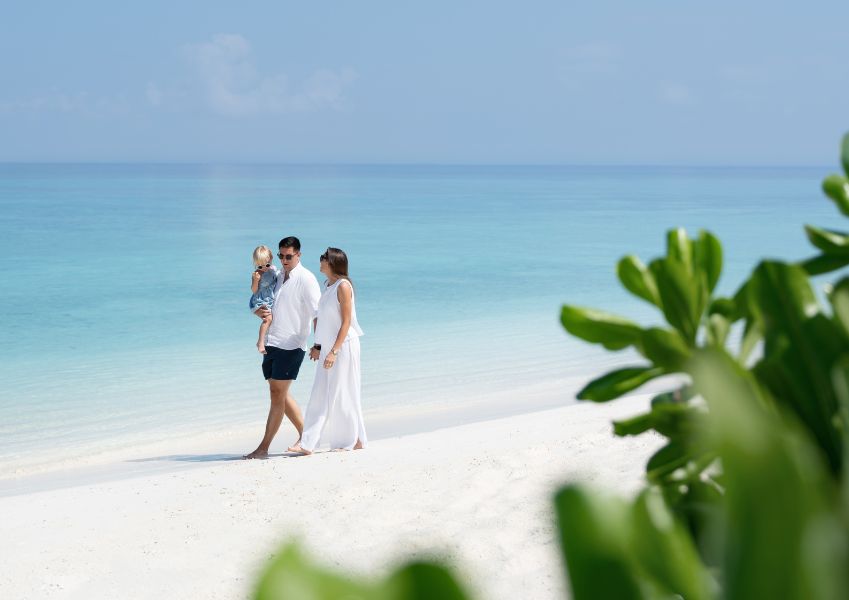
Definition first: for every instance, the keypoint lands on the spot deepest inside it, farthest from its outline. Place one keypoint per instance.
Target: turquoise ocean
(124, 288)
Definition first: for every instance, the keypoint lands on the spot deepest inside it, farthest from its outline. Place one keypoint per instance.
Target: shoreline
(472, 494)
(190, 449)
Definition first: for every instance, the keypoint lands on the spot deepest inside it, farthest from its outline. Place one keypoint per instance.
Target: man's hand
(314, 353)
(262, 313)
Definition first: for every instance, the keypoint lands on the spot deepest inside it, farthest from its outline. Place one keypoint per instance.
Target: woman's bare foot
(256, 454)
(358, 445)
(297, 449)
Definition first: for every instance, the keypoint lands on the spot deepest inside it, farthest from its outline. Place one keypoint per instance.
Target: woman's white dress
(335, 415)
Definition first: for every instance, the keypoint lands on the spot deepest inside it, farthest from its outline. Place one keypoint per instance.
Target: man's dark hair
(290, 242)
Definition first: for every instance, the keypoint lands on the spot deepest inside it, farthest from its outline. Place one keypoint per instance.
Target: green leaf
(707, 254)
(614, 384)
(801, 345)
(679, 248)
(612, 332)
(844, 154)
(637, 279)
(634, 425)
(679, 396)
(665, 348)
(422, 581)
(840, 376)
(837, 188)
(673, 420)
(594, 532)
(717, 330)
(741, 301)
(824, 263)
(666, 552)
(752, 334)
(830, 242)
(780, 294)
(683, 296)
(290, 575)
(725, 307)
(778, 494)
(839, 298)
(797, 370)
(672, 456)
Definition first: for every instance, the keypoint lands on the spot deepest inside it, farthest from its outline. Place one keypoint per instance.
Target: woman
(334, 412)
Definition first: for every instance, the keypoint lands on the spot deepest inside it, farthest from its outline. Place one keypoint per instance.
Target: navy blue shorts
(282, 364)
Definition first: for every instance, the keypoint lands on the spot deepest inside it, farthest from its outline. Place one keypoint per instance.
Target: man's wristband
(317, 346)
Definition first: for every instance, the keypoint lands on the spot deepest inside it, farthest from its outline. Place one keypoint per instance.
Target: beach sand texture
(478, 495)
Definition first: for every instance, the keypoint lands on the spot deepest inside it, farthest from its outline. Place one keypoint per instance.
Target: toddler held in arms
(263, 280)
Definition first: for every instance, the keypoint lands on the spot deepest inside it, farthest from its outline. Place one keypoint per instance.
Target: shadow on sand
(200, 458)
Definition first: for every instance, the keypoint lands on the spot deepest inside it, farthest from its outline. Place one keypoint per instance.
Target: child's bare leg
(263, 329)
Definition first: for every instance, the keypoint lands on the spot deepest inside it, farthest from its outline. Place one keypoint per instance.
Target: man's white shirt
(295, 306)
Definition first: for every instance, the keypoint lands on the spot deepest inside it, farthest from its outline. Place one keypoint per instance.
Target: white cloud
(223, 76)
(232, 85)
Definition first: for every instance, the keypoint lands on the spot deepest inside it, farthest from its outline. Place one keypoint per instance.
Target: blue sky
(544, 82)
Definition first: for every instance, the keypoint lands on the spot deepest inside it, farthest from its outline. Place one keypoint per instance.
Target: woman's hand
(329, 360)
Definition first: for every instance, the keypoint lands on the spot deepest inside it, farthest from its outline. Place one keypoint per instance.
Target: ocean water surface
(124, 288)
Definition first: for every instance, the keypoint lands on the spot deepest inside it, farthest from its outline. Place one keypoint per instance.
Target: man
(295, 303)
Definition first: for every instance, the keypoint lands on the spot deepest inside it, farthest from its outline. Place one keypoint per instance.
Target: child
(263, 280)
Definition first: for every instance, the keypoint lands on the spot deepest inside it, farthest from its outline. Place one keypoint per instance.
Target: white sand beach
(477, 494)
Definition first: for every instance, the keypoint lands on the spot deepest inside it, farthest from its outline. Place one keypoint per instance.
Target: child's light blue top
(264, 295)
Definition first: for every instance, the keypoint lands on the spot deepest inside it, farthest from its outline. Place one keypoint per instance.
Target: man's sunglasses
(282, 256)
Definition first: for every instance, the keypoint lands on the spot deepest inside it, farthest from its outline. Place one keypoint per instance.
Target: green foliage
(780, 529)
(292, 577)
(754, 466)
(832, 244)
(617, 550)
(779, 313)
(612, 332)
(783, 536)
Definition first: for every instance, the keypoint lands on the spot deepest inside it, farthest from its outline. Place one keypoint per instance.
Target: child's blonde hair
(262, 255)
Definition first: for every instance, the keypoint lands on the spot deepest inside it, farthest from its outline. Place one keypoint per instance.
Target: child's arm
(255, 281)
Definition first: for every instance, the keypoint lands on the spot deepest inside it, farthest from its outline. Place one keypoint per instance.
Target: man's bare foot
(358, 445)
(261, 347)
(256, 454)
(298, 450)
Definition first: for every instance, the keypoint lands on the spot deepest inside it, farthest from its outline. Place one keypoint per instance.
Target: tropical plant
(291, 575)
(779, 311)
